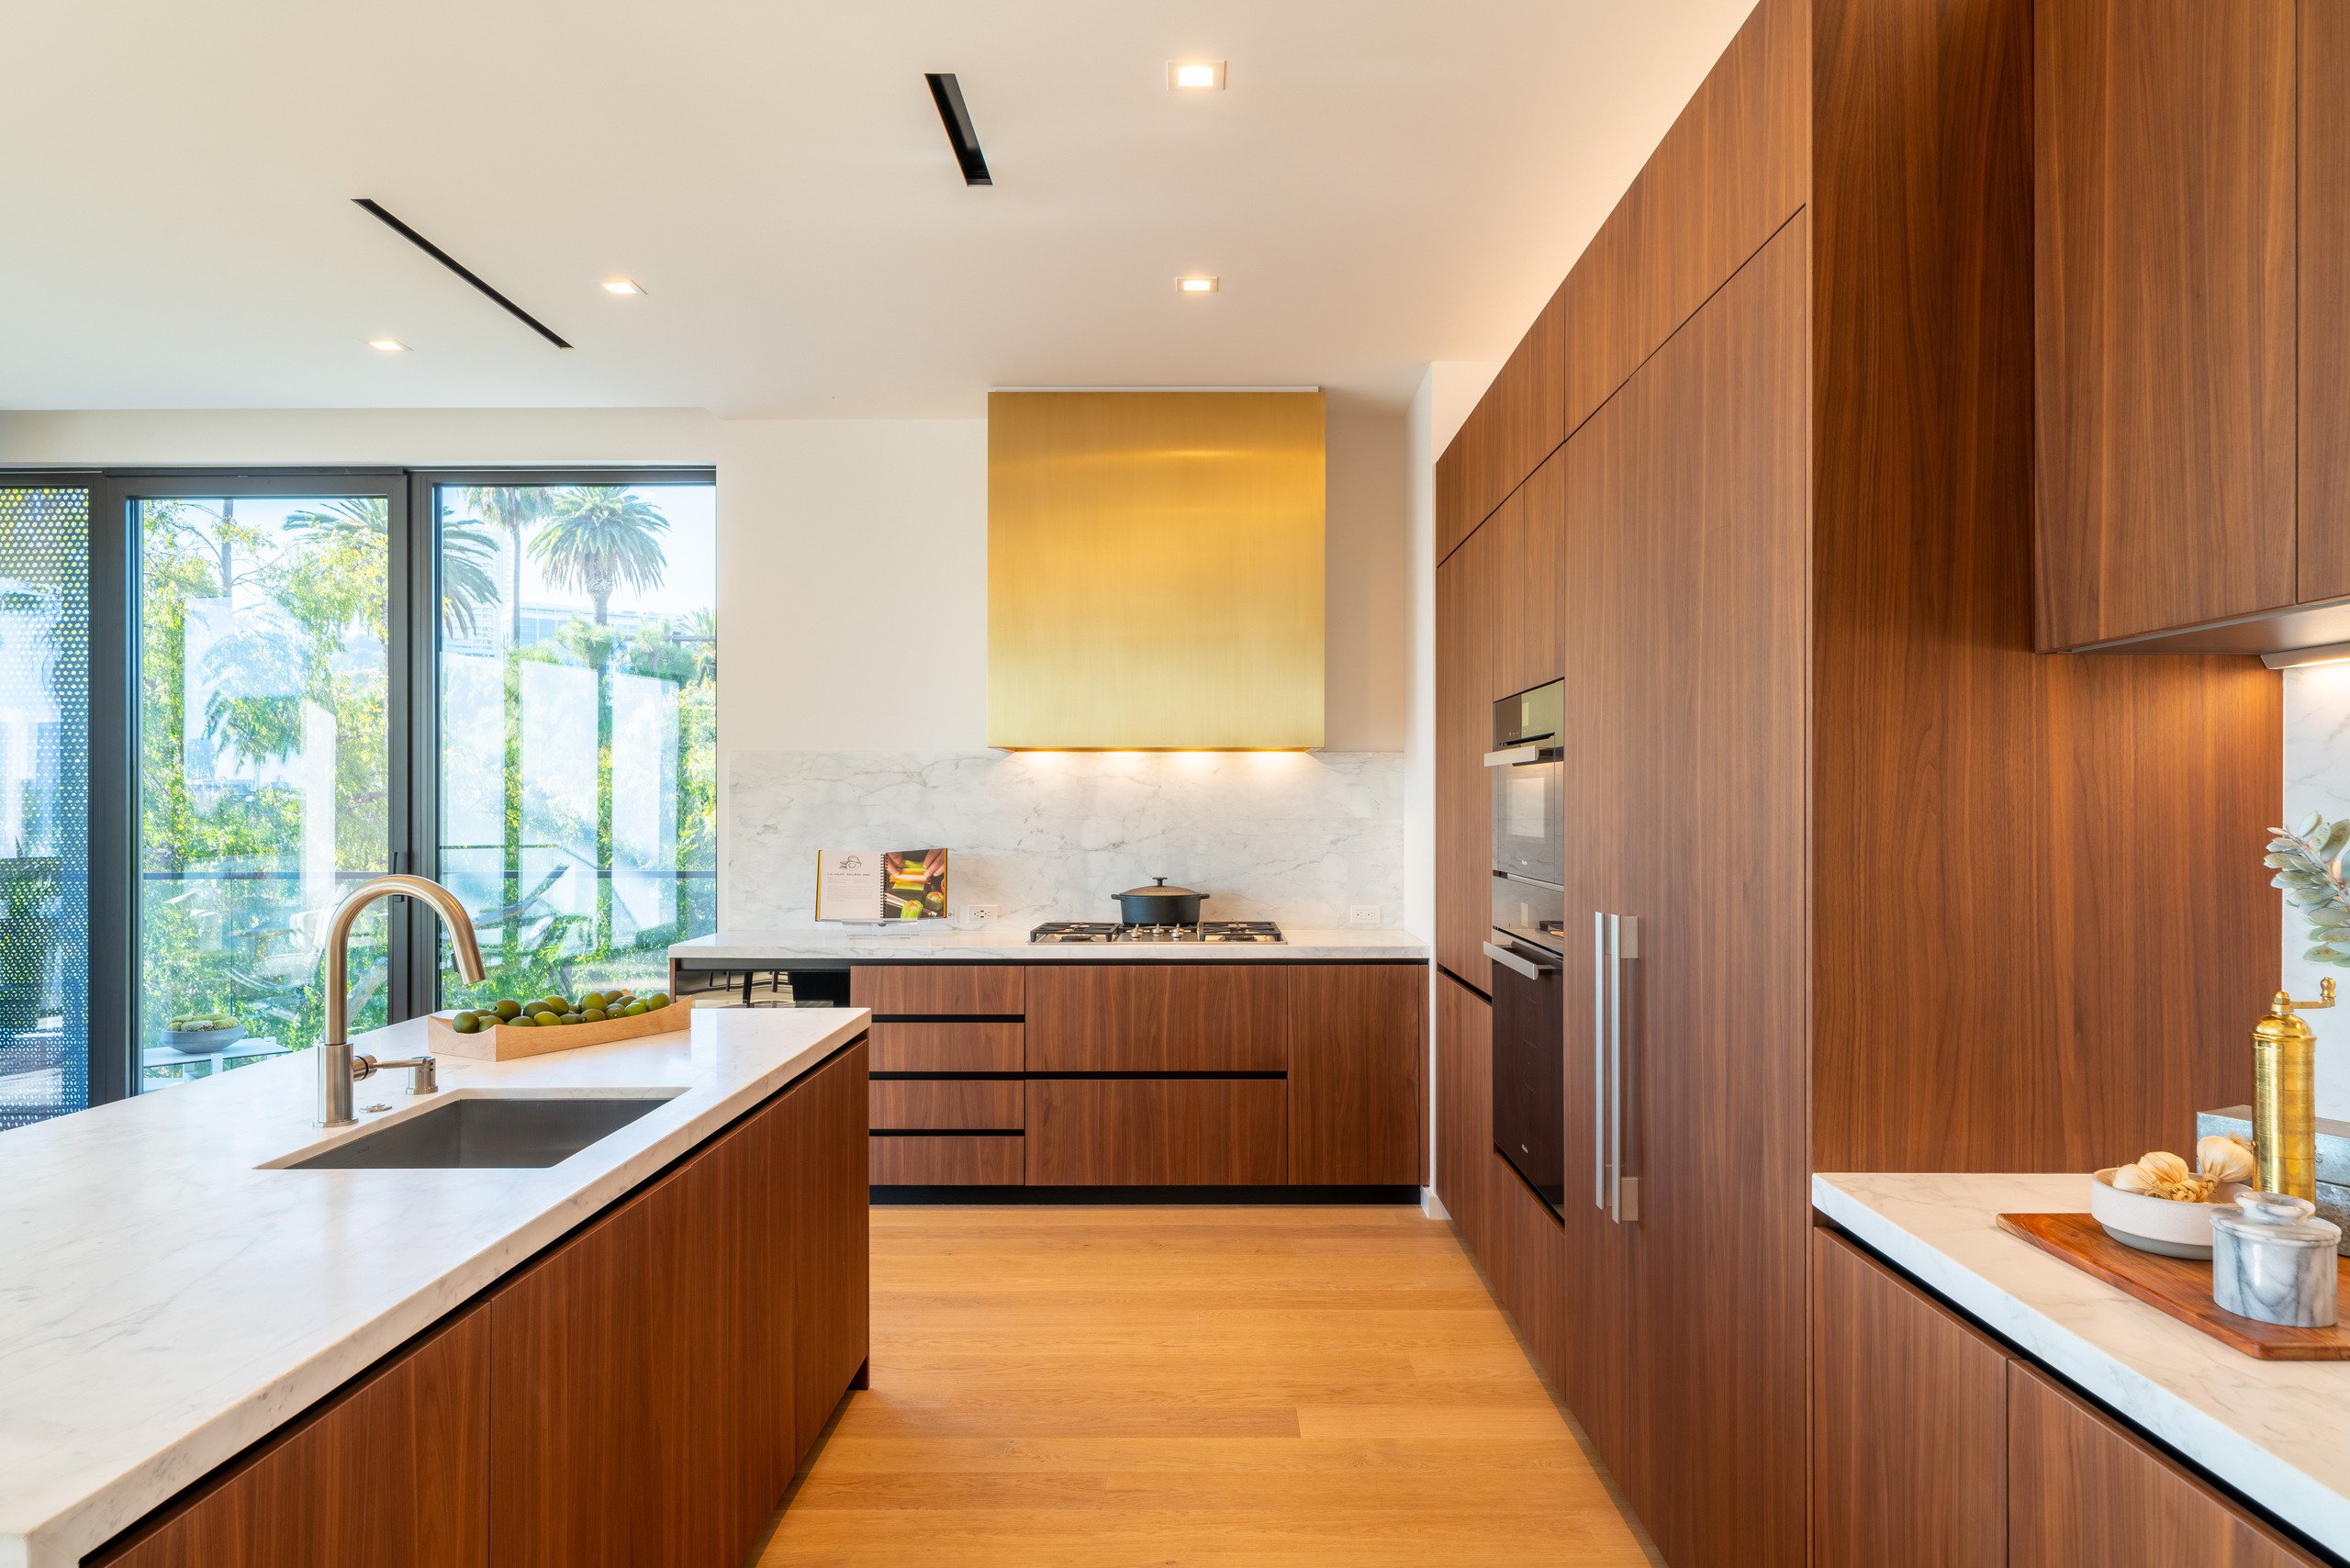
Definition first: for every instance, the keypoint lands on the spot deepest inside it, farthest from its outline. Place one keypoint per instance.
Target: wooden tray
(507, 1043)
(2180, 1286)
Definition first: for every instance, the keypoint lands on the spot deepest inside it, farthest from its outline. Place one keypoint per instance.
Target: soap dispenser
(2284, 1096)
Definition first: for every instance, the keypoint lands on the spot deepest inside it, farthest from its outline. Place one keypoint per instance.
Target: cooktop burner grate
(1111, 931)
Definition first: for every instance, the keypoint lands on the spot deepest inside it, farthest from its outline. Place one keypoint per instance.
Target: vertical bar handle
(1624, 1192)
(1599, 976)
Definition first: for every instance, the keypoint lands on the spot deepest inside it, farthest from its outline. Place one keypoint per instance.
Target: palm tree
(600, 538)
(512, 507)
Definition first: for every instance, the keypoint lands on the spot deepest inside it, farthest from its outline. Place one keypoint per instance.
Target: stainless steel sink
(501, 1132)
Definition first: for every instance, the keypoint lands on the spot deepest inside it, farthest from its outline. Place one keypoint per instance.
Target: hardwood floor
(1176, 1385)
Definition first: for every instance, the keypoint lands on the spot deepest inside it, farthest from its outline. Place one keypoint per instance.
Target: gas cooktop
(1111, 931)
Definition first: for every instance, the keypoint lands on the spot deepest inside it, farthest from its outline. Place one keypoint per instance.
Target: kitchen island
(2167, 1411)
(168, 1302)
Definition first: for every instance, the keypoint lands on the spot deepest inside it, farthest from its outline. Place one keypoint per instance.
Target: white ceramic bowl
(2158, 1225)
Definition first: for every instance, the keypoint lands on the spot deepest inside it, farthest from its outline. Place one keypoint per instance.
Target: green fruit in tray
(657, 1000)
(591, 1015)
(569, 1018)
(522, 1021)
(592, 1003)
(633, 1010)
(466, 1023)
(507, 1009)
(546, 1016)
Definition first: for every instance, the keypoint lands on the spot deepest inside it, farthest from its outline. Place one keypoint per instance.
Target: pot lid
(1161, 891)
(2277, 1219)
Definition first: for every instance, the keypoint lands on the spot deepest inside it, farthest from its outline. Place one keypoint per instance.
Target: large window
(226, 699)
(577, 769)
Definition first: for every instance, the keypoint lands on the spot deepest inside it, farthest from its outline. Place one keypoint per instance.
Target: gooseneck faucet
(338, 1068)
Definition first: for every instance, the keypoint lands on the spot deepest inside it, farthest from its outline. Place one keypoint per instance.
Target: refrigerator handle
(1624, 1206)
(1599, 966)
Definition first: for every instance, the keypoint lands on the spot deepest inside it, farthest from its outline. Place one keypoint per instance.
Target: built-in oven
(1529, 942)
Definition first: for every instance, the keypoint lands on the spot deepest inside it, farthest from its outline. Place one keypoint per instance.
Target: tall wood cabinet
(1878, 847)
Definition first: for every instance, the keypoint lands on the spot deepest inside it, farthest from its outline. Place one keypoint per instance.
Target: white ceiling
(1385, 183)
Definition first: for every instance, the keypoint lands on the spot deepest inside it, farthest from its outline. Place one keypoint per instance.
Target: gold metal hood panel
(1155, 570)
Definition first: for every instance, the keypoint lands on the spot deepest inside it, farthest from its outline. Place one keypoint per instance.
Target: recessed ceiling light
(388, 345)
(1198, 285)
(1195, 75)
(622, 285)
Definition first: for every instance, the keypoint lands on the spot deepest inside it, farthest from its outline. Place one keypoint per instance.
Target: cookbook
(875, 885)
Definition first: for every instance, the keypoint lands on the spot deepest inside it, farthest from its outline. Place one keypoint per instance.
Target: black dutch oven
(1161, 905)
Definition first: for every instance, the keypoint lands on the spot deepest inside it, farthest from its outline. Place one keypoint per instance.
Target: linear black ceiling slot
(948, 94)
(454, 265)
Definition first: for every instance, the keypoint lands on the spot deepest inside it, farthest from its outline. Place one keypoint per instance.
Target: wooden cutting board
(2180, 1286)
(507, 1043)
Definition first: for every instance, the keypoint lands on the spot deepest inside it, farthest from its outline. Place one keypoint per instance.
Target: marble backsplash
(2317, 778)
(1300, 837)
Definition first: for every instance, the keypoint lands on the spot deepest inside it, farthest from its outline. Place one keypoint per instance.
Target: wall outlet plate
(1362, 914)
(980, 913)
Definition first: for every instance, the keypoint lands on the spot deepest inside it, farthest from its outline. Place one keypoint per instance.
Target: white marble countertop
(2278, 1431)
(1010, 944)
(164, 1304)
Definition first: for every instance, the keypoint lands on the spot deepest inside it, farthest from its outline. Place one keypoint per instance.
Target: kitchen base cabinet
(2084, 1493)
(1157, 1132)
(394, 1473)
(1908, 1423)
(1352, 1035)
(656, 1379)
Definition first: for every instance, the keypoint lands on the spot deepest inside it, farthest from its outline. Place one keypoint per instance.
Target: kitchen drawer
(1157, 1017)
(947, 1104)
(947, 1047)
(1157, 1132)
(925, 1161)
(938, 991)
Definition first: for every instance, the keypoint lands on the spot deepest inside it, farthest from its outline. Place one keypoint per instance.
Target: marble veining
(2278, 1431)
(164, 1304)
(2317, 778)
(2272, 1261)
(1300, 837)
(920, 941)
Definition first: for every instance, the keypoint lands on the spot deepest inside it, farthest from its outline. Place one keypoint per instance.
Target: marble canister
(2272, 1261)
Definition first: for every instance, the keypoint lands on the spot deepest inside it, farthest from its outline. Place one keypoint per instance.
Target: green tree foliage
(600, 538)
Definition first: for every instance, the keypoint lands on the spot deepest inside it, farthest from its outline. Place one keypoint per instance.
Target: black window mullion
(415, 723)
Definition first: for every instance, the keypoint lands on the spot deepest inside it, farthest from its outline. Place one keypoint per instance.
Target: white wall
(412, 438)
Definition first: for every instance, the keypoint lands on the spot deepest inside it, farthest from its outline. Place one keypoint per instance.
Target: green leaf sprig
(2308, 870)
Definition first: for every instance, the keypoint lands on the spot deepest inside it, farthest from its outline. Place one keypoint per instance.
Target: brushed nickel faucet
(337, 1068)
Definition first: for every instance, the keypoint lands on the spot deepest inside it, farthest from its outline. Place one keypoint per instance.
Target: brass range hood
(1155, 570)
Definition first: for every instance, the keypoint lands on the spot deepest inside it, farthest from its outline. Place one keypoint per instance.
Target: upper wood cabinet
(1528, 535)
(1908, 1423)
(2325, 302)
(2164, 198)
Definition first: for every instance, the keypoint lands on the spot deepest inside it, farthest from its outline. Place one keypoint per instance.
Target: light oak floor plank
(1111, 1386)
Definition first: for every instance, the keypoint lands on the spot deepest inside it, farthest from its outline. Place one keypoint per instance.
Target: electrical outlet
(1362, 914)
(980, 913)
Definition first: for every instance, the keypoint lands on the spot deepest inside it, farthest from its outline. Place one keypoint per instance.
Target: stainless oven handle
(1509, 959)
(1624, 1199)
(1598, 1060)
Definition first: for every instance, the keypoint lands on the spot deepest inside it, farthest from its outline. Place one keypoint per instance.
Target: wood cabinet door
(2084, 1493)
(1464, 1111)
(831, 1240)
(1464, 790)
(1908, 1423)
(1157, 1132)
(393, 1472)
(1154, 1018)
(1716, 870)
(2325, 301)
(1528, 532)
(938, 991)
(1601, 637)
(1354, 1047)
(2165, 254)
(642, 1371)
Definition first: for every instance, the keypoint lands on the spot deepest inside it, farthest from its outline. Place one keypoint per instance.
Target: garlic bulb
(2227, 1159)
(2160, 1174)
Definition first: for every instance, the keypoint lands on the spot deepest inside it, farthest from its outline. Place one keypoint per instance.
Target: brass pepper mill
(2284, 1096)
